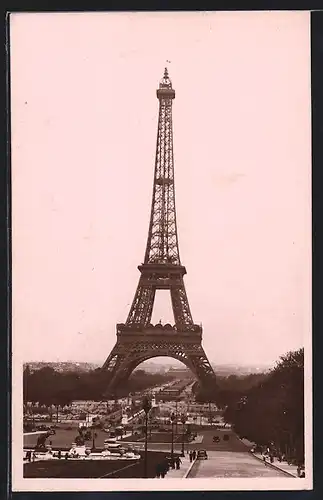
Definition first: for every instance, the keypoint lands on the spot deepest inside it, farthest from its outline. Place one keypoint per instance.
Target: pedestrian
(158, 470)
(59, 454)
(271, 459)
(299, 470)
(172, 462)
(165, 464)
(194, 454)
(178, 463)
(34, 455)
(28, 456)
(66, 456)
(191, 455)
(164, 468)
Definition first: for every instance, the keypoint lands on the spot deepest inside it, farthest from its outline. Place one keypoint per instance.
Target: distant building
(61, 366)
(85, 405)
(179, 372)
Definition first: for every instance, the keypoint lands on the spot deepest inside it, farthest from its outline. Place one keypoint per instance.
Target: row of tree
(268, 408)
(228, 389)
(50, 387)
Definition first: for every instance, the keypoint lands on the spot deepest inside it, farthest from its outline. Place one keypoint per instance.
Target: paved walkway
(283, 466)
(35, 433)
(125, 436)
(197, 440)
(233, 464)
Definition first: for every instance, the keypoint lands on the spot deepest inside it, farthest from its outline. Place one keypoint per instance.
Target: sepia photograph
(161, 251)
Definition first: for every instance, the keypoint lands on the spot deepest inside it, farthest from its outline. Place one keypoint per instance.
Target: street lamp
(151, 425)
(173, 418)
(183, 420)
(93, 437)
(210, 414)
(146, 405)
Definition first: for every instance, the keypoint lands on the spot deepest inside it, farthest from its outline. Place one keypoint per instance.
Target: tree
(26, 377)
(50, 387)
(276, 404)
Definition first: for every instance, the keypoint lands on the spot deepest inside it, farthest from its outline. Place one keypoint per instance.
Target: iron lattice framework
(137, 339)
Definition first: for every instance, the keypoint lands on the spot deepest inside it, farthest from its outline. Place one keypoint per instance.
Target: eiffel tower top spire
(162, 242)
(165, 82)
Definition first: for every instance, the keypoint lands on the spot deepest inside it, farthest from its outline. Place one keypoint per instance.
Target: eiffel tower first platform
(137, 339)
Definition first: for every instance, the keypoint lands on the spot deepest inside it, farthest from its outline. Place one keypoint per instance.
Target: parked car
(202, 455)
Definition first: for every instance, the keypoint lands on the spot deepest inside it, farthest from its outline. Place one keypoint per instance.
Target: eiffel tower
(137, 339)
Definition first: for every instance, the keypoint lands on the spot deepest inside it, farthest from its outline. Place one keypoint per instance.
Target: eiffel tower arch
(137, 339)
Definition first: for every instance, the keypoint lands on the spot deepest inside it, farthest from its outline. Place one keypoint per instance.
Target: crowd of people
(192, 455)
(30, 455)
(167, 463)
(172, 463)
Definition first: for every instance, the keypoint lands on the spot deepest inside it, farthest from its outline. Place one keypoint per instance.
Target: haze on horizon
(84, 125)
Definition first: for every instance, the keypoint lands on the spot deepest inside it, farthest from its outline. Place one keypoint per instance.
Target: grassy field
(64, 438)
(93, 469)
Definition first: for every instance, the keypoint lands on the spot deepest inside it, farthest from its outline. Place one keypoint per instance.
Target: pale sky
(84, 125)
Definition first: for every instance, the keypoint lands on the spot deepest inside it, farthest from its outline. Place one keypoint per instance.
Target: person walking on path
(191, 455)
(164, 468)
(178, 463)
(194, 454)
(158, 469)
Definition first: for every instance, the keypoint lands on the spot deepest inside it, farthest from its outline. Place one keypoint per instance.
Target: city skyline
(83, 150)
(159, 361)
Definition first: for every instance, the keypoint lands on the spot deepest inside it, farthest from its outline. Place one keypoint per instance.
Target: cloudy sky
(84, 123)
